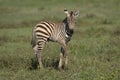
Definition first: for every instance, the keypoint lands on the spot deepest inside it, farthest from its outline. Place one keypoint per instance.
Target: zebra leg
(39, 57)
(39, 54)
(66, 57)
(64, 53)
(61, 59)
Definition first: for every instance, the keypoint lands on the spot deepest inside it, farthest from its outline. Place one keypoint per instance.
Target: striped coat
(48, 31)
(56, 32)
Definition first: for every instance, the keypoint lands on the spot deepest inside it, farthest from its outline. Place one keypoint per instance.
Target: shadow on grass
(47, 63)
(33, 64)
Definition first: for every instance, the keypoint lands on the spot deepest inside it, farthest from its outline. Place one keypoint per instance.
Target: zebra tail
(33, 41)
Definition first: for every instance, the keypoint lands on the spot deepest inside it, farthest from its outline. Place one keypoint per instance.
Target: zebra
(57, 32)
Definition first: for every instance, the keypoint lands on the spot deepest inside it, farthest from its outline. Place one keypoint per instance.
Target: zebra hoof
(66, 67)
(59, 68)
(40, 67)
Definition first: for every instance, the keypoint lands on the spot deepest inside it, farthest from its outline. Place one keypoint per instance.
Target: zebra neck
(67, 29)
(69, 32)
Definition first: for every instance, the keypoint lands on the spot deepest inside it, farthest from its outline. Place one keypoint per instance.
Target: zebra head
(71, 18)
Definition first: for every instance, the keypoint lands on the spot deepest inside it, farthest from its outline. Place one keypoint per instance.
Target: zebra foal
(56, 32)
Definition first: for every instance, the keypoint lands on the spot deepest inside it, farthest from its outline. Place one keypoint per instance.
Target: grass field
(94, 51)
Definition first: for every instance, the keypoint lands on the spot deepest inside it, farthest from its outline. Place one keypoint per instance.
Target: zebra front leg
(66, 57)
(60, 62)
(61, 58)
(64, 52)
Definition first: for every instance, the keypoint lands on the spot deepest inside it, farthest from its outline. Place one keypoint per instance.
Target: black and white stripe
(57, 32)
(47, 31)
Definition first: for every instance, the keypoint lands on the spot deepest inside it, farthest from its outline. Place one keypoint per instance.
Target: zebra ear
(76, 13)
(66, 12)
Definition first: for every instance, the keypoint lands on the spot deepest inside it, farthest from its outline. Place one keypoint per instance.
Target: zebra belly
(53, 39)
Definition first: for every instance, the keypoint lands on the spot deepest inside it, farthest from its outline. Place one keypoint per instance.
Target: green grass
(94, 51)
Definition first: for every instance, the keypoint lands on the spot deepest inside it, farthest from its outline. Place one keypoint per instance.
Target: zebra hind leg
(39, 57)
(38, 52)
